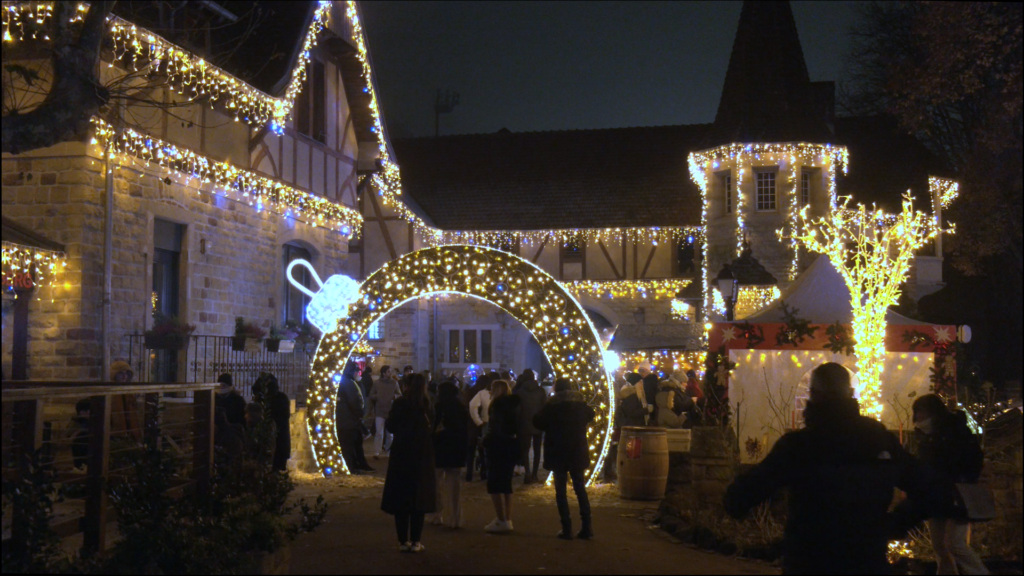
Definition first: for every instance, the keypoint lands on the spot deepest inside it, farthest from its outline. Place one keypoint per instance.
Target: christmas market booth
(766, 359)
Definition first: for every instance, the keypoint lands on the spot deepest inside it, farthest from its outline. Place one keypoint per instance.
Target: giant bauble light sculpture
(344, 312)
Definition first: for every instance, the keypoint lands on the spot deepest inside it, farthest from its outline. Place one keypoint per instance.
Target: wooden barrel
(642, 463)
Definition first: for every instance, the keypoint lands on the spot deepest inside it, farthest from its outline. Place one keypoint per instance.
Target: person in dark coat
(366, 380)
(348, 415)
(228, 439)
(951, 452)
(410, 488)
(502, 446)
(280, 412)
(451, 443)
(652, 385)
(630, 411)
(840, 471)
(229, 399)
(532, 398)
(564, 420)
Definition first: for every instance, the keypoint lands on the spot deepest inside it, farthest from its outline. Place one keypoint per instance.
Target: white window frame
(446, 329)
(727, 187)
(377, 332)
(758, 203)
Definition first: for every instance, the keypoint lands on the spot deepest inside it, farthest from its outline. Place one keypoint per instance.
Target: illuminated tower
(770, 151)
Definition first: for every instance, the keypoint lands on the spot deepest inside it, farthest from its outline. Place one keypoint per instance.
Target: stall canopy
(821, 296)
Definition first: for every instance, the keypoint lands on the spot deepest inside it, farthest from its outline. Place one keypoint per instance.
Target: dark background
(573, 65)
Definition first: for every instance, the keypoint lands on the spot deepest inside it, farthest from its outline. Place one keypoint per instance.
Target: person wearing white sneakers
(410, 489)
(502, 447)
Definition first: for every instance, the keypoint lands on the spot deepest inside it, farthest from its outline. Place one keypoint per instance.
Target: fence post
(94, 524)
(202, 448)
(26, 439)
(151, 420)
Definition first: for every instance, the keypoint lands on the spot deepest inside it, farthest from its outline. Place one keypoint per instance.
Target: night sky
(570, 65)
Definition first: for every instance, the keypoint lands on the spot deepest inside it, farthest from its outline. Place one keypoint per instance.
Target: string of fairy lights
(742, 158)
(258, 191)
(943, 190)
(872, 252)
(521, 289)
(651, 289)
(137, 48)
(25, 267)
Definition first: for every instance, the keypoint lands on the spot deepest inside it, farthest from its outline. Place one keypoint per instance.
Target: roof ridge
(500, 134)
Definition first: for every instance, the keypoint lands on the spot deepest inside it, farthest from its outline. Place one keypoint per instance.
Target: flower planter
(238, 343)
(272, 344)
(165, 341)
(286, 346)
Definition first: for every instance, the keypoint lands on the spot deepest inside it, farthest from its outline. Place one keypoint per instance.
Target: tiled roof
(619, 177)
(542, 180)
(767, 96)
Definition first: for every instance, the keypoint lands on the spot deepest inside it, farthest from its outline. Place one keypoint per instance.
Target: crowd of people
(436, 433)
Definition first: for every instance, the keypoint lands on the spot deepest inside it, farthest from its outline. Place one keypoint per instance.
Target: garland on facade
(258, 191)
(191, 75)
(943, 370)
(653, 289)
(25, 267)
(795, 330)
(839, 340)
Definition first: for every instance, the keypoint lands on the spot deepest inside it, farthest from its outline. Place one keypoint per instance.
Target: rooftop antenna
(445, 103)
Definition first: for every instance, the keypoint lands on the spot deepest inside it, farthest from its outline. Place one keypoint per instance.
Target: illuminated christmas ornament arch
(530, 295)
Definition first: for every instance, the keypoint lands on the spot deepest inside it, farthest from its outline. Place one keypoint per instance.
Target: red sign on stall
(20, 280)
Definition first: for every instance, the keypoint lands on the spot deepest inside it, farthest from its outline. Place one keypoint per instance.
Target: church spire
(768, 95)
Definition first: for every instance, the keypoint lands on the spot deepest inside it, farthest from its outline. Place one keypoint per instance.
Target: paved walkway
(357, 538)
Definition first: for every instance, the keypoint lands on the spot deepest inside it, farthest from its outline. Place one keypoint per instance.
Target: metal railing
(206, 357)
(43, 430)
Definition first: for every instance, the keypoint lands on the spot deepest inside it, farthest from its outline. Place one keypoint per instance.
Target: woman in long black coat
(564, 420)
(502, 447)
(410, 489)
(451, 446)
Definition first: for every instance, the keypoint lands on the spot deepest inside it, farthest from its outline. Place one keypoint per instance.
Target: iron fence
(207, 356)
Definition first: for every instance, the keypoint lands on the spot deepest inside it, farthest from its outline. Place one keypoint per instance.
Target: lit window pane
(469, 346)
(376, 331)
(766, 190)
(453, 346)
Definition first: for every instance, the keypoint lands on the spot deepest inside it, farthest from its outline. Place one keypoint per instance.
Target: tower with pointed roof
(770, 151)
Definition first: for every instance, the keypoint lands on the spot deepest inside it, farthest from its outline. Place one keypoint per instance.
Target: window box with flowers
(244, 333)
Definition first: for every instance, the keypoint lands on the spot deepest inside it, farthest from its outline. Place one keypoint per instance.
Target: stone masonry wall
(59, 192)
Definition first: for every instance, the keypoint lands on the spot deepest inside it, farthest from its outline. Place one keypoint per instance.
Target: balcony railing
(206, 357)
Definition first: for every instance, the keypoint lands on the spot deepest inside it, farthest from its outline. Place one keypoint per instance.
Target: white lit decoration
(330, 304)
(872, 251)
(192, 76)
(611, 360)
(254, 189)
(518, 287)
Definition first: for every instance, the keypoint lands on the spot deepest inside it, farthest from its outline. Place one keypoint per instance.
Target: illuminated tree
(872, 251)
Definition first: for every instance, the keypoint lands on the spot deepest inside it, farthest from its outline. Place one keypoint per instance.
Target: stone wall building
(186, 242)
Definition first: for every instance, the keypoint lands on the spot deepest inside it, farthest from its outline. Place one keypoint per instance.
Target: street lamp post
(728, 286)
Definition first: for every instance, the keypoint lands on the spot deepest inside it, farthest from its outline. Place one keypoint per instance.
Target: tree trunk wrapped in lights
(872, 251)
